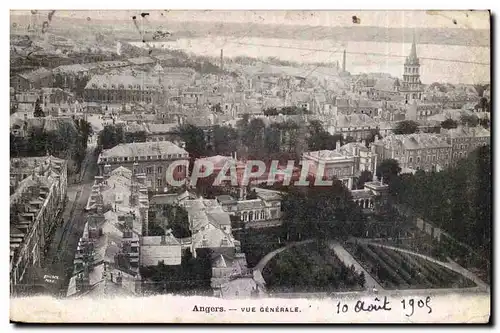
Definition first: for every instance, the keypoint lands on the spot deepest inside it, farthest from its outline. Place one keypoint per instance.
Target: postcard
(283, 166)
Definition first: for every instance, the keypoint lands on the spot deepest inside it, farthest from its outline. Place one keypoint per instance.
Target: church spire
(412, 58)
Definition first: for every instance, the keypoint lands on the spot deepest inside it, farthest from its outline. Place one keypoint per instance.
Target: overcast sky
(394, 19)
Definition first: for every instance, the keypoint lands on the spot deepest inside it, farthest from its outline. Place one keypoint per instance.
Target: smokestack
(221, 59)
(343, 62)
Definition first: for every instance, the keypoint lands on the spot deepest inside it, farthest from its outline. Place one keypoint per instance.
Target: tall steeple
(411, 87)
(343, 62)
(412, 58)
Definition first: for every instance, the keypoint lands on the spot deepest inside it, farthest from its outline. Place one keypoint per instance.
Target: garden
(396, 270)
(311, 267)
(256, 243)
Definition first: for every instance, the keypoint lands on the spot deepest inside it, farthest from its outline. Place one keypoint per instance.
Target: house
(35, 79)
(123, 89)
(226, 269)
(151, 158)
(465, 139)
(357, 126)
(210, 226)
(156, 249)
(262, 212)
(416, 151)
(34, 208)
(331, 164)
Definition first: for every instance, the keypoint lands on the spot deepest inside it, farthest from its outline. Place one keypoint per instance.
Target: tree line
(253, 139)
(68, 141)
(457, 199)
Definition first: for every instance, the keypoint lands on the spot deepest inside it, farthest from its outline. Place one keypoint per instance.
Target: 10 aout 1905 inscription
(410, 305)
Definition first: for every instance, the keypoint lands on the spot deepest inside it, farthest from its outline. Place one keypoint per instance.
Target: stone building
(419, 151)
(262, 212)
(35, 79)
(123, 89)
(331, 164)
(35, 205)
(150, 158)
(465, 139)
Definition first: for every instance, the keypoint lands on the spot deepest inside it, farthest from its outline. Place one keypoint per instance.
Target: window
(158, 182)
(418, 159)
(159, 169)
(178, 169)
(149, 157)
(136, 158)
(149, 170)
(159, 157)
(125, 158)
(410, 159)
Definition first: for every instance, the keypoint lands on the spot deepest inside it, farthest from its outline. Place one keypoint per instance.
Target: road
(263, 262)
(349, 260)
(62, 250)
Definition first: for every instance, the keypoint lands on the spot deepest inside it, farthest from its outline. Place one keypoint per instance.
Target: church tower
(411, 87)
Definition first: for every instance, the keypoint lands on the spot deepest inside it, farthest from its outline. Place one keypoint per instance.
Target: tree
(139, 136)
(449, 123)
(388, 169)
(194, 137)
(406, 127)
(484, 104)
(321, 212)
(374, 133)
(225, 140)
(110, 136)
(469, 120)
(480, 88)
(177, 220)
(38, 110)
(364, 177)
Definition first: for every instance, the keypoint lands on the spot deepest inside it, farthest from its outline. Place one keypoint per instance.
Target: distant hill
(125, 29)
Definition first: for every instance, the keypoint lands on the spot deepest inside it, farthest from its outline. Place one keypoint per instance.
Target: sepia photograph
(250, 166)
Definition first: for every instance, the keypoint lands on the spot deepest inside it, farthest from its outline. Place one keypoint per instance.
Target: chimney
(337, 144)
(222, 60)
(343, 62)
(119, 279)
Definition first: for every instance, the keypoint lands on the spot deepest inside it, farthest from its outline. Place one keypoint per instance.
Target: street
(59, 257)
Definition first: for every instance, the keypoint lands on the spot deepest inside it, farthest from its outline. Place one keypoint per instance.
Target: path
(454, 267)
(263, 262)
(348, 260)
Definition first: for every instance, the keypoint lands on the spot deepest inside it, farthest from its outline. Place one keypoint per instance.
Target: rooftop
(124, 82)
(413, 141)
(160, 148)
(35, 75)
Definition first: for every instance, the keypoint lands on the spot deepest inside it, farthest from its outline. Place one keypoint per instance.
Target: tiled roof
(35, 75)
(141, 60)
(355, 120)
(213, 238)
(75, 68)
(250, 204)
(325, 154)
(123, 82)
(413, 141)
(144, 149)
(462, 131)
